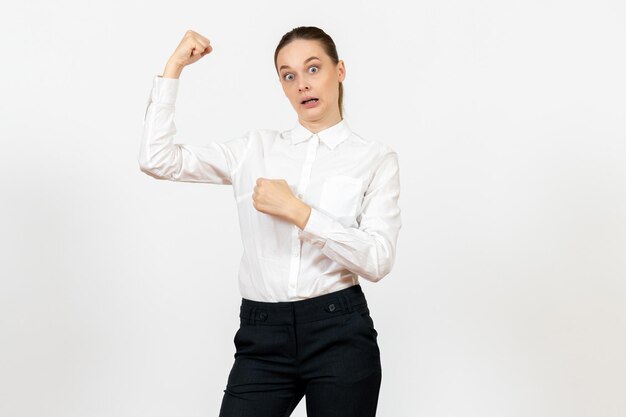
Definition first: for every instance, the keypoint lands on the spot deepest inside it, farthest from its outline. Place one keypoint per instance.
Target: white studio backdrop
(119, 294)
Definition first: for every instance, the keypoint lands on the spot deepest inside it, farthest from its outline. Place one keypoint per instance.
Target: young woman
(318, 207)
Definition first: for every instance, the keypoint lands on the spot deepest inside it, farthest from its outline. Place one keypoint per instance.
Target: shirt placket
(296, 244)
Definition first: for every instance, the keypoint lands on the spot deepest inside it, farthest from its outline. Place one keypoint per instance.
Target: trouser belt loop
(251, 315)
(345, 303)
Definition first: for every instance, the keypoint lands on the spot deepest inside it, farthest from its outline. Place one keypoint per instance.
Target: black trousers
(324, 348)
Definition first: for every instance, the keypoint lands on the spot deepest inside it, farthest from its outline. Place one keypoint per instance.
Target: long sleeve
(161, 158)
(369, 250)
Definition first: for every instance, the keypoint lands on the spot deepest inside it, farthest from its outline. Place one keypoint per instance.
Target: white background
(118, 292)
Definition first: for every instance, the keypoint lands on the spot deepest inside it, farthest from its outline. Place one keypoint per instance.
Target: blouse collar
(331, 136)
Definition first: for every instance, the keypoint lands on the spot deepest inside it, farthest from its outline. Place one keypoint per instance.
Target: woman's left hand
(275, 197)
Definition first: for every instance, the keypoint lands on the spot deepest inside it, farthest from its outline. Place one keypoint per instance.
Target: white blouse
(352, 185)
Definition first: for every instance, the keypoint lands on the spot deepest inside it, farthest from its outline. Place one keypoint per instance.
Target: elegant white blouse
(351, 184)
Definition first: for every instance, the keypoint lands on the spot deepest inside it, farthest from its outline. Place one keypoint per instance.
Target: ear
(341, 68)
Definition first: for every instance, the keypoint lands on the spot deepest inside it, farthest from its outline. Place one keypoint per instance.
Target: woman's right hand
(191, 48)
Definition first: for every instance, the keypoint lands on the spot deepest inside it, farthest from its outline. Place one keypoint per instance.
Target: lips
(309, 99)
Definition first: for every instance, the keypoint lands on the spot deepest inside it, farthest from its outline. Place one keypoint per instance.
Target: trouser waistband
(311, 309)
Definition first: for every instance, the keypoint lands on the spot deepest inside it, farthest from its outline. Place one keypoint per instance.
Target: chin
(310, 117)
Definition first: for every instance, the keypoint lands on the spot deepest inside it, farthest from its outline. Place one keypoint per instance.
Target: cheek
(329, 86)
(288, 91)
(288, 94)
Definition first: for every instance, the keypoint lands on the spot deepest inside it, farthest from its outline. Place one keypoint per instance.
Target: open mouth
(308, 101)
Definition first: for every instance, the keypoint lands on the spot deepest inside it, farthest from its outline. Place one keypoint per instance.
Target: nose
(303, 86)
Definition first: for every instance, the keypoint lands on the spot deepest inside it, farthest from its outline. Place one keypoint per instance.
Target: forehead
(294, 53)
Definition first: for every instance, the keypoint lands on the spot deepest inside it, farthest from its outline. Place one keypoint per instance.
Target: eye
(316, 68)
(287, 75)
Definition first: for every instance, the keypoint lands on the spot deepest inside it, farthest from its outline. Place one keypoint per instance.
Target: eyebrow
(305, 61)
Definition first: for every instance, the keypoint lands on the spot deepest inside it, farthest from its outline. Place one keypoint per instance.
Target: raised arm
(158, 155)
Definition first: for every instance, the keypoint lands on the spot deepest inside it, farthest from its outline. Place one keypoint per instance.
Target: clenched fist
(191, 48)
(274, 197)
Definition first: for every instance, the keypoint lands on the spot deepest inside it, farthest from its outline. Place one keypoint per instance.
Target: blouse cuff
(318, 228)
(164, 90)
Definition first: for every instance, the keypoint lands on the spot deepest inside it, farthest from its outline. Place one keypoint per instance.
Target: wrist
(172, 70)
(300, 214)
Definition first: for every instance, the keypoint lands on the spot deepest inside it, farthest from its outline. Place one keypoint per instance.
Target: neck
(322, 123)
